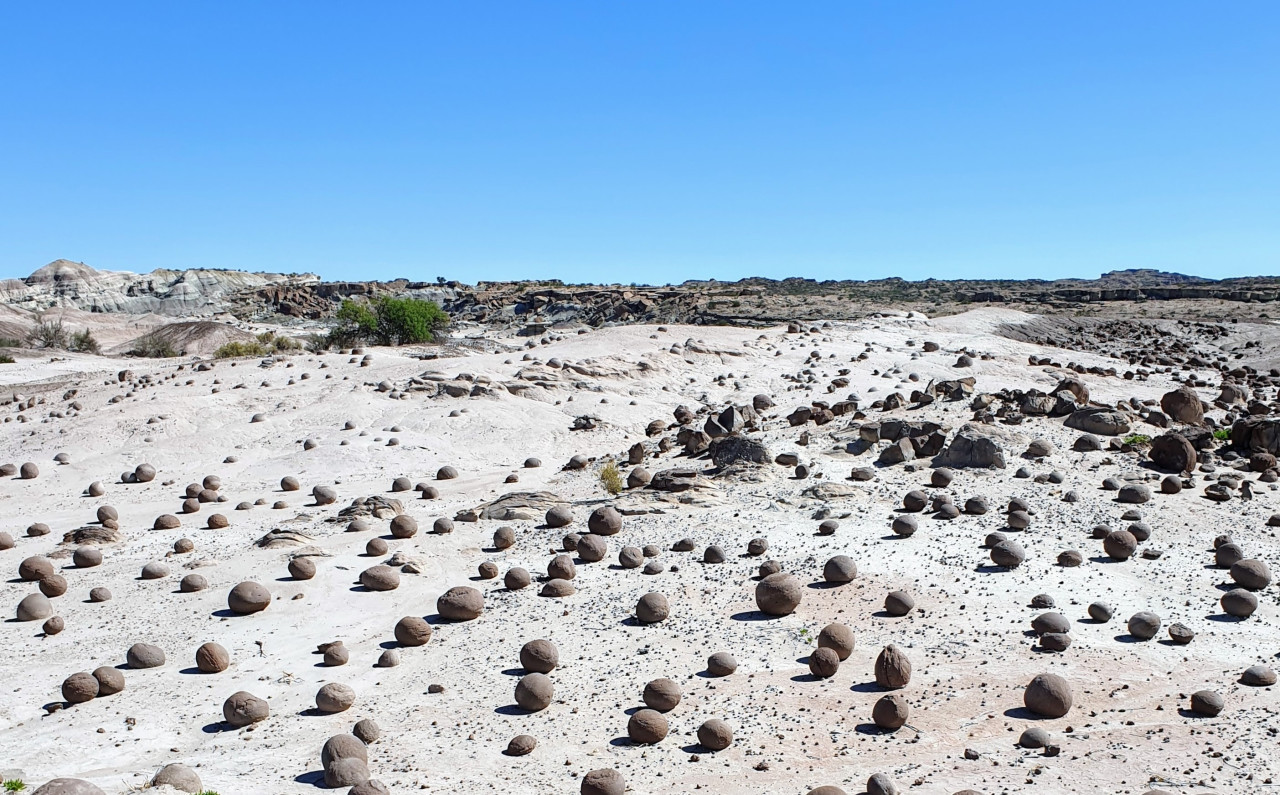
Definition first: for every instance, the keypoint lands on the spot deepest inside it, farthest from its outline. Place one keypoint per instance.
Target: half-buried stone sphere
(561, 567)
(521, 745)
(335, 697)
(1207, 703)
(1048, 695)
(144, 655)
(557, 589)
(779, 594)
(559, 516)
(380, 578)
(178, 776)
(539, 656)
(243, 709)
(248, 597)
(517, 578)
(662, 695)
(289, 483)
(534, 692)
(68, 786)
(838, 638)
(166, 521)
(647, 726)
(193, 583)
(1008, 554)
(603, 782)
(893, 669)
(212, 658)
(652, 608)
(460, 603)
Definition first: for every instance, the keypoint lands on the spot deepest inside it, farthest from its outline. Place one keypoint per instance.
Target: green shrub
(14, 785)
(271, 342)
(388, 321)
(48, 334)
(316, 343)
(6, 358)
(83, 342)
(10, 342)
(611, 478)
(1137, 439)
(1222, 434)
(150, 346)
(236, 349)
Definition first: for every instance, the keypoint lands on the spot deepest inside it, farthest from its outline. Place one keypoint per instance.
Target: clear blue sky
(642, 141)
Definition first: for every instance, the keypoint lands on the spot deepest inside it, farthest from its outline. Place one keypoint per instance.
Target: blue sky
(650, 142)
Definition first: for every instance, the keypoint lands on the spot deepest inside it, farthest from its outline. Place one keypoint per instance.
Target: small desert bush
(611, 478)
(6, 358)
(48, 334)
(10, 342)
(83, 342)
(14, 785)
(1222, 434)
(149, 346)
(1137, 440)
(233, 350)
(279, 344)
(388, 321)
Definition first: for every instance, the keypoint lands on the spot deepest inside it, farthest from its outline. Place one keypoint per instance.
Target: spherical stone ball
(1170, 484)
(1144, 625)
(375, 547)
(53, 586)
(914, 501)
(193, 583)
(592, 548)
(769, 567)
(248, 597)
(336, 654)
(53, 626)
(559, 516)
(948, 511)
(715, 734)
(993, 538)
(6, 540)
(1120, 544)
(182, 546)
(34, 607)
(1008, 553)
(878, 784)
(714, 554)
(824, 662)
(96, 489)
(35, 569)
(412, 631)
(941, 477)
(460, 603)
(144, 655)
(367, 730)
(539, 656)
(289, 483)
(1100, 611)
(1239, 602)
(532, 463)
(428, 492)
(154, 571)
(324, 495)
(38, 529)
(1050, 622)
(904, 525)
(335, 697)
(504, 538)
(652, 608)
(1207, 703)
(829, 790)
(99, 594)
(683, 545)
(446, 473)
(29, 471)
(557, 589)
(662, 695)
(647, 726)
(890, 712)
(1251, 573)
(603, 782)
(404, 526)
(517, 578)
(1034, 737)
(605, 521)
(893, 669)
(303, 568)
(1227, 555)
(899, 603)
(1055, 641)
(343, 746)
(349, 772)
(110, 680)
(401, 484)
(837, 637)
(779, 594)
(79, 688)
(178, 776)
(212, 658)
(976, 506)
(144, 473)
(570, 542)
(721, 663)
(488, 570)
(1018, 520)
(521, 745)
(166, 521)
(217, 521)
(380, 578)
(442, 526)
(1048, 695)
(828, 527)
(631, 557)
(840, 569)
(757, 547)
(534, 692)
(1181, 634)
(106, 512)
(389, 659)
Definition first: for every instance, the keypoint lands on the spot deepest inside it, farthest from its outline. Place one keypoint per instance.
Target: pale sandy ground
(966, 639)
